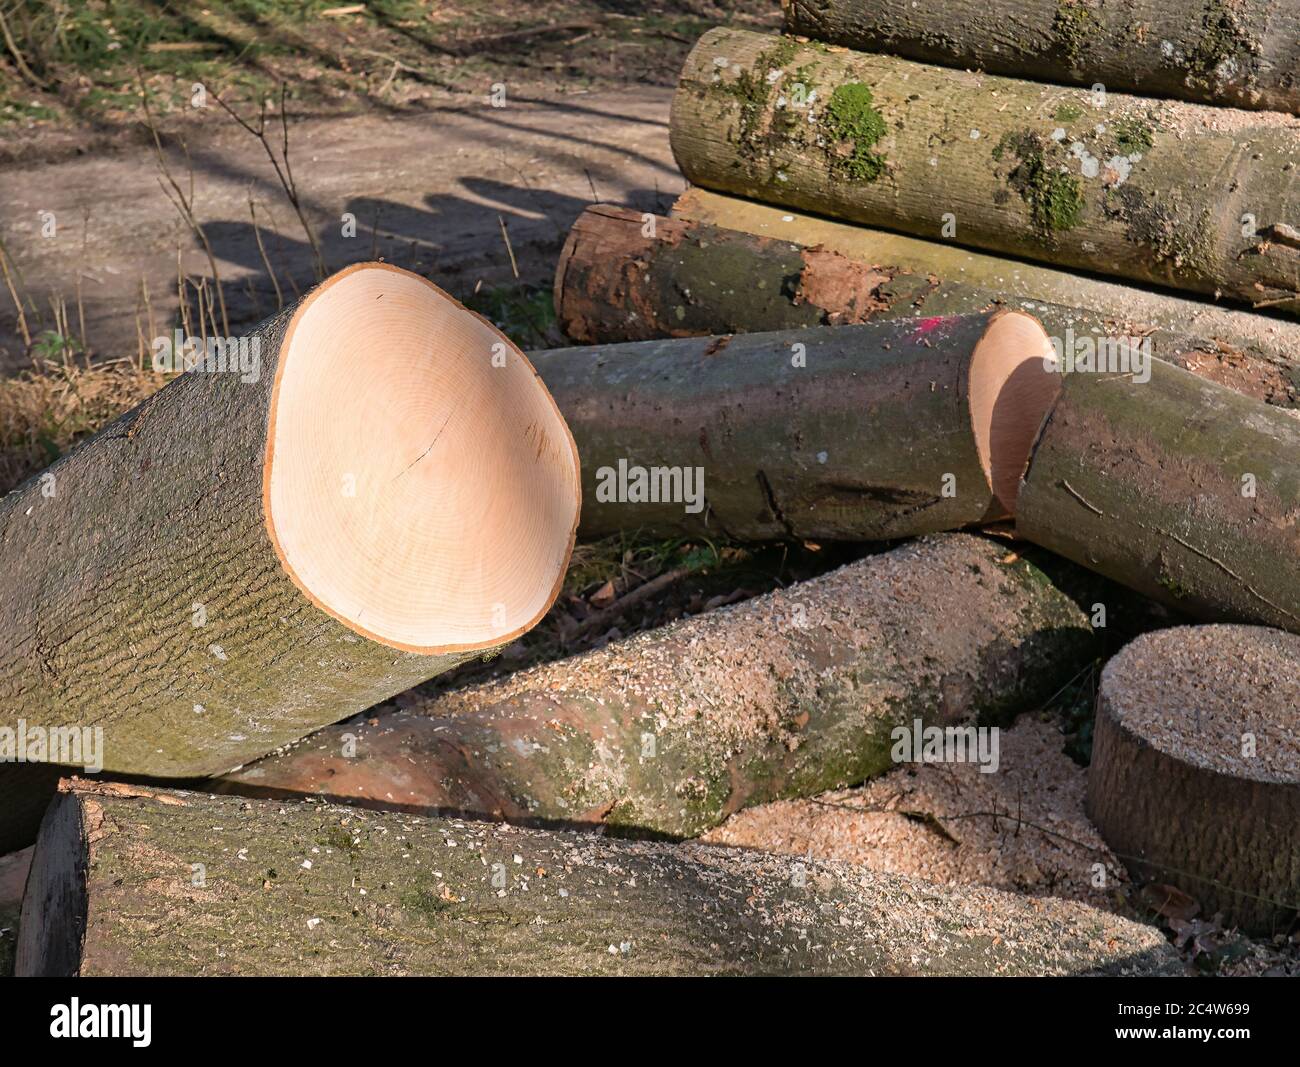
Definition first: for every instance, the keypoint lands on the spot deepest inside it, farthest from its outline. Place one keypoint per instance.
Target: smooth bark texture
(856, 433)
(1240, 52)
(669, 732)
(1133, 188)
(145, 596)
(1177, 487)
(623, 279)
(1242, 337)
(1195, 774)
(315, 889)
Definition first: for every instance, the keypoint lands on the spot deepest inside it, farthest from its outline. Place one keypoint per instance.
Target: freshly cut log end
(1011, 391)
(112, 893)
(1195, 776)
(268, 545)
(420, 483)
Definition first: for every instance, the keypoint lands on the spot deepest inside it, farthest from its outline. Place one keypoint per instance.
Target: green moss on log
(1073, 28)
(1055, 197)
(852, 119)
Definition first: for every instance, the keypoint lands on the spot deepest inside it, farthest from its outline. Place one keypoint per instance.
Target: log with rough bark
(1245, 53)
(669, 732)
(142, 882)
(1195, 775)
(1239, 337)
(623, 278)
(1176, 487)
(866, 432)
(1133, 188)
(377, 488)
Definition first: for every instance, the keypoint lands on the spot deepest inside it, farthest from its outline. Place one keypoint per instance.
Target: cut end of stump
(1011, 391)
(420, 485)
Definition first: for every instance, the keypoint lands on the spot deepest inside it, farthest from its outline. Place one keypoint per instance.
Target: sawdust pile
(1022, 828)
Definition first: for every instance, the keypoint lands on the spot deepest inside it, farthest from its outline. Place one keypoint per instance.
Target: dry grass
(46, 411)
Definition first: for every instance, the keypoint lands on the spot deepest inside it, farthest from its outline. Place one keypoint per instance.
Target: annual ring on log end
(419, 483)
(1011, 391)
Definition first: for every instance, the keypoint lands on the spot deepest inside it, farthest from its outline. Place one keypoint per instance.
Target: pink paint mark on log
(927, 325)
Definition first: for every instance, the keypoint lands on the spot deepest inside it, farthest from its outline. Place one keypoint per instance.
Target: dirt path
(429, 192)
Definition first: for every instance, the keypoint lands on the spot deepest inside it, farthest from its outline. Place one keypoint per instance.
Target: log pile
(1010, 166)
(822, 343)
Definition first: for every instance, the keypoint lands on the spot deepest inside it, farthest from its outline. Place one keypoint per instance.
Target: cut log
(1195, 776)
(380, 491)
(160, 883)
(1238, 336)
(1245, 53)
(1177, 487)
(622, 279)
(669, 732)
(1134, 188)
(867, 432)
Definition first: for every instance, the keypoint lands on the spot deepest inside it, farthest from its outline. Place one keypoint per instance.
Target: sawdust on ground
(1020, 828)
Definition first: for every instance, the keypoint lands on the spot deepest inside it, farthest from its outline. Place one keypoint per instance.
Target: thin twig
(284, 173)
(182, 202)
(266, 261)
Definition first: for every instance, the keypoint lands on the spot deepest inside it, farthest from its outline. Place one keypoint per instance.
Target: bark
(1177, 487)
(1253, 335)
(851, 434)
(1195, 775)
(618, 281)
(1244, 53)
(1135, 188)
(110, 554)
(790, 694)
(112, 892)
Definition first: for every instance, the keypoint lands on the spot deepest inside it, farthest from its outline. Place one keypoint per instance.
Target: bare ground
(454, 192)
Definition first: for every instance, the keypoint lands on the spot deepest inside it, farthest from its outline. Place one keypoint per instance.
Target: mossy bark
(144, 598)
(1180, 813)
(622, 278)
(668, 733)
(1245, 53)
(1177, 487)
(113, 892)
(1135, 188)
(858, 433)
